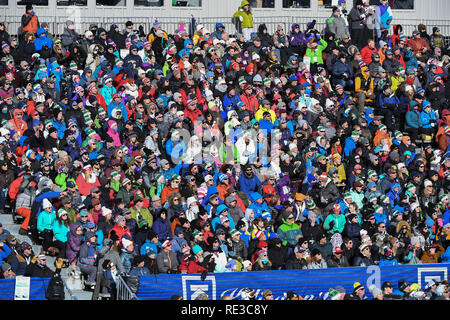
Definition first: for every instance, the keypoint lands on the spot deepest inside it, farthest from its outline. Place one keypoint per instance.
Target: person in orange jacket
(17, 122)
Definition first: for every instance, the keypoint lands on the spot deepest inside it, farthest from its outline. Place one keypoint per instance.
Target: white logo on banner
(193, 286)
(422, 272)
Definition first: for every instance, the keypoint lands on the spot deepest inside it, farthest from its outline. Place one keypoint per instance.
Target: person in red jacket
(93, 91)
(192, 111)
(250, 100)
(367, 51)
(86, 181)
(189, 263)
(120, 228)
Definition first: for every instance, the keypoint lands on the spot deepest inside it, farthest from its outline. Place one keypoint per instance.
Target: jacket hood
(186, 42)
(261, 27)
(73, 229)
(294, 25)
(244, 3)
(41, 31)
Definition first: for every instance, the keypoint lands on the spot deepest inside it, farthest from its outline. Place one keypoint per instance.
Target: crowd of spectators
(135, 152)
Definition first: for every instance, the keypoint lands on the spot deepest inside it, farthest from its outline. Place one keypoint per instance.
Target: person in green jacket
(245, 15)
(289, 232)
(335, 222)
(139, 212)
(314, 52)
(125, 193)
(323, 245)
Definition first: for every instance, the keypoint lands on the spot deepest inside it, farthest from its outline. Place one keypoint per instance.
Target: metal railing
(123, 291)
(170, 24)
(72, 296)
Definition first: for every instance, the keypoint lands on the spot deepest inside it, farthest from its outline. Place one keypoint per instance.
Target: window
(402, 4)
(262, 3)
(296, 4)
(111, 3)
(396, 4)
(186, 3)
(148, 3)
(66, 3)
(33, 2)
(325, 4)
(3, 2)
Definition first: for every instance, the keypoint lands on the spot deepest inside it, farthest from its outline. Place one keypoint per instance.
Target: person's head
(359, 289)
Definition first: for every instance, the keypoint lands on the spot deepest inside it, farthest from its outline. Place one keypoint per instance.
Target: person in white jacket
(246, 147)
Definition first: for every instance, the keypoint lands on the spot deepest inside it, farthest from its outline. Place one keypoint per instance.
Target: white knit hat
(46, 204)
(105, 211)
(126, 242)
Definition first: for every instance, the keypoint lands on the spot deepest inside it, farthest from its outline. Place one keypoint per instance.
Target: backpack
(55, 289)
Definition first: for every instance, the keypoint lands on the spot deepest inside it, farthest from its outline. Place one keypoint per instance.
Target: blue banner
(309, 284)
(38, 287)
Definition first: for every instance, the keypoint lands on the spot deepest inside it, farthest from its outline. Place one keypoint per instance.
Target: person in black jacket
(298, 260)
(38, 267)
(337, 259)
(278, 254)
(365, 257)
(352, 229)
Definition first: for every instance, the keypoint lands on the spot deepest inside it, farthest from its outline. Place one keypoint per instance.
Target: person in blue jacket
(117, 103)
(413, 120)
(4, 252)
(219, 30)
(175, 146)
(342, 73)
(248, 181)
(152, 243)
(388, 259)
(258, 204)
(222, 210)
(428, 119)
(42, 40)
(350, 144)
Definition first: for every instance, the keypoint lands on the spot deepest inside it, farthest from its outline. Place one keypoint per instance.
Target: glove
(203, 276)
(34, 258)
(332, 223)
(59, 263)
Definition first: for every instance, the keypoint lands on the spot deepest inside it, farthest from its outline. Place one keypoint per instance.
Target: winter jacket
(167, 261)
(339, 223)
(60, 231)
(42, 40)
(297, 39)
(45, 220)
(289, 233)
(336, 25)
(316, 54)
(162, 228)
(73, 244)
(245, 17)
(413, 120)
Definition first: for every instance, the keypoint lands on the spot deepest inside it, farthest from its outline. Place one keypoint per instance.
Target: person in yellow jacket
(152, 36)
(245, 15)
(336, 163)
(265, 106)
(397, 79)
(364, 88)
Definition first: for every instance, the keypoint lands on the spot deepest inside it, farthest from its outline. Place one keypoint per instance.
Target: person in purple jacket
(74, 242)
(297, 40)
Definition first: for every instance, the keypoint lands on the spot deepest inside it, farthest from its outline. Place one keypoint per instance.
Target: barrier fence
(310, 284)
